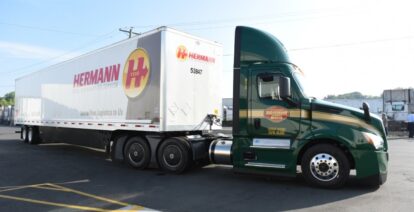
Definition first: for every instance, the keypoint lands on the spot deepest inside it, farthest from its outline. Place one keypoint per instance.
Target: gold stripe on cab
(297, 113)
(294, 113)
(343, 119)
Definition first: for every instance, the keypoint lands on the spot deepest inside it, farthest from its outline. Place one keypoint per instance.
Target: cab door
(273, 123)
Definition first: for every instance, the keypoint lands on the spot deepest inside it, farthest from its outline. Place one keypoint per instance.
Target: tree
(3, 102)
(7, 100)
(9, 96)
(352, 95)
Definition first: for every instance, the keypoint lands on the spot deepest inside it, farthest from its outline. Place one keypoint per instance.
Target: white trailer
(160, 85)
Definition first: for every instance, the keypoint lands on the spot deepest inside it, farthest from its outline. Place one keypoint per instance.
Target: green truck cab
(278, 128)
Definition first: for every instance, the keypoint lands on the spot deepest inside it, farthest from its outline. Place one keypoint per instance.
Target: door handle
(257, 124)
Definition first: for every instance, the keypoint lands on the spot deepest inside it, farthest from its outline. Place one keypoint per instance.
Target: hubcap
(172, 155)
(324, 167)
(136, 153)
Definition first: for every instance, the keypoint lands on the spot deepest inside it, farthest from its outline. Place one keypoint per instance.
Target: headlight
(374, 140)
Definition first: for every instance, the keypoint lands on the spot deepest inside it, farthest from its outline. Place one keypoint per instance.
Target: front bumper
(371, 165)
(374, 180)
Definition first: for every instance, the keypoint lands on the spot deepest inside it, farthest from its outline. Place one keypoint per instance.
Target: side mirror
(365, 108)
(284, 87)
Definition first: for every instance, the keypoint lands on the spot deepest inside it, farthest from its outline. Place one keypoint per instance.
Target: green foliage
(8, 99)
(3, 102)
(352, 95)
(9, 96)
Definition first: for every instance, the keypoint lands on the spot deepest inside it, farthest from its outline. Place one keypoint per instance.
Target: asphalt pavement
(61, 177)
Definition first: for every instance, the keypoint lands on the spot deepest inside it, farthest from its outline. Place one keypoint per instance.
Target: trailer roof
(136, 37)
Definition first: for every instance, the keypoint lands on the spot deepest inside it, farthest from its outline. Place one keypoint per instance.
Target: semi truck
(397, 104)
(153, 101)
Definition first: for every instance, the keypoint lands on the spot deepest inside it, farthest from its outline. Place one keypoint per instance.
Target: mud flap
(117, 149)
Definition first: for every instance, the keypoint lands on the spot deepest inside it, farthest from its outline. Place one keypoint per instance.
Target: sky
(342, 46)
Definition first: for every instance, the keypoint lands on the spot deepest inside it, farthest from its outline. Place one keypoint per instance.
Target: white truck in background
(397, 103)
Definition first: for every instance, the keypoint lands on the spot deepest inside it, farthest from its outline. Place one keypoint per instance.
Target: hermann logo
(136, 73)
(182, 53)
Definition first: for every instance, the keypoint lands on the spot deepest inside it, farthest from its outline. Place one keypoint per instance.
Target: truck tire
(32, 135)
(24, 134)
(325, 166)
(137, 152)
(174, 155)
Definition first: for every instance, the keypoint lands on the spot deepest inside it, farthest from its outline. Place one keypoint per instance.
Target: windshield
(300, 80)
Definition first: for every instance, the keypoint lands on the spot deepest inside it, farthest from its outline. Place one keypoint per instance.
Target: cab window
(398, 107)
(268, 86)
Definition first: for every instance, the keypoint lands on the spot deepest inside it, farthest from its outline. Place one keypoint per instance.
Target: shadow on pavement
(209, 188)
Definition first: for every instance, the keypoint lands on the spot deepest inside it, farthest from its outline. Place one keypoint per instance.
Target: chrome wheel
(324, 167)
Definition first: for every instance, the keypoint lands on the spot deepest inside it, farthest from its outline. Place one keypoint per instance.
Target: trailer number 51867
(196, 71)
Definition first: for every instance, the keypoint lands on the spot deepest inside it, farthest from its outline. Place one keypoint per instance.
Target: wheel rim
(24, 133)
(30, 134)
(324, 167)
(172, 156)
(136, 153)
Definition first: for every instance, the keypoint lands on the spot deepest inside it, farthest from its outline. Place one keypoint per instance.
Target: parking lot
(60, 177)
